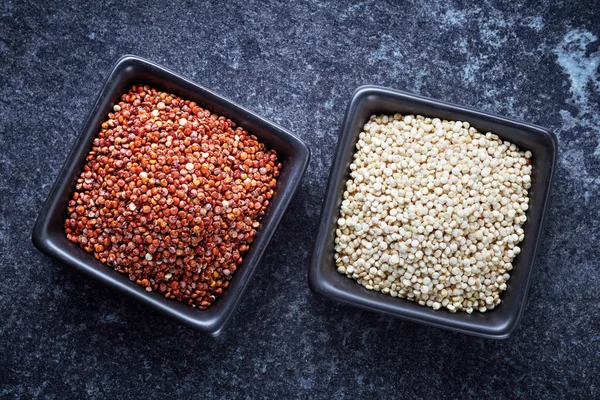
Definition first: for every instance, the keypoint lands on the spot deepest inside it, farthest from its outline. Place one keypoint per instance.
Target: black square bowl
(48, 233)
(323, 277)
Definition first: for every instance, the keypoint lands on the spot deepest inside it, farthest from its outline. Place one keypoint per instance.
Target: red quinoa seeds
(172, 195)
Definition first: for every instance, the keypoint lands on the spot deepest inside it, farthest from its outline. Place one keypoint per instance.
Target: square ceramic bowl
(323, 276)
(48, 234)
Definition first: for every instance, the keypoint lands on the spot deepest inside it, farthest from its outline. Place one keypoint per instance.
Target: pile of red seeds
(172, 195)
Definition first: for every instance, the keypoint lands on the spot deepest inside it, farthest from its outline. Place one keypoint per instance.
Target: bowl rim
(211, 323)
(322, 285)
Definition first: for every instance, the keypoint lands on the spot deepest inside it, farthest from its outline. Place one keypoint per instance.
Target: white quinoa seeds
(432, 212)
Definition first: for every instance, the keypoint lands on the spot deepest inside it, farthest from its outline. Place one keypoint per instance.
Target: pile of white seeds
(432, 212)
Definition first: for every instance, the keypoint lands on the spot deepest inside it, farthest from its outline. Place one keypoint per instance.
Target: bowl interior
(323, 276)
(49, 234)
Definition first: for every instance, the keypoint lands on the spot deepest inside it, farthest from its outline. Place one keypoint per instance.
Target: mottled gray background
(64, 336)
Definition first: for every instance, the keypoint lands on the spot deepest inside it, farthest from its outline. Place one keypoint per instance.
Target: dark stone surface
(64, 336)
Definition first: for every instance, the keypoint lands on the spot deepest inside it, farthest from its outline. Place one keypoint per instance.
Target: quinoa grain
(432, 212)
(166, 197)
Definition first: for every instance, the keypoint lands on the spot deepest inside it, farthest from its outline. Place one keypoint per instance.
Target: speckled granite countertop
(64, 336)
